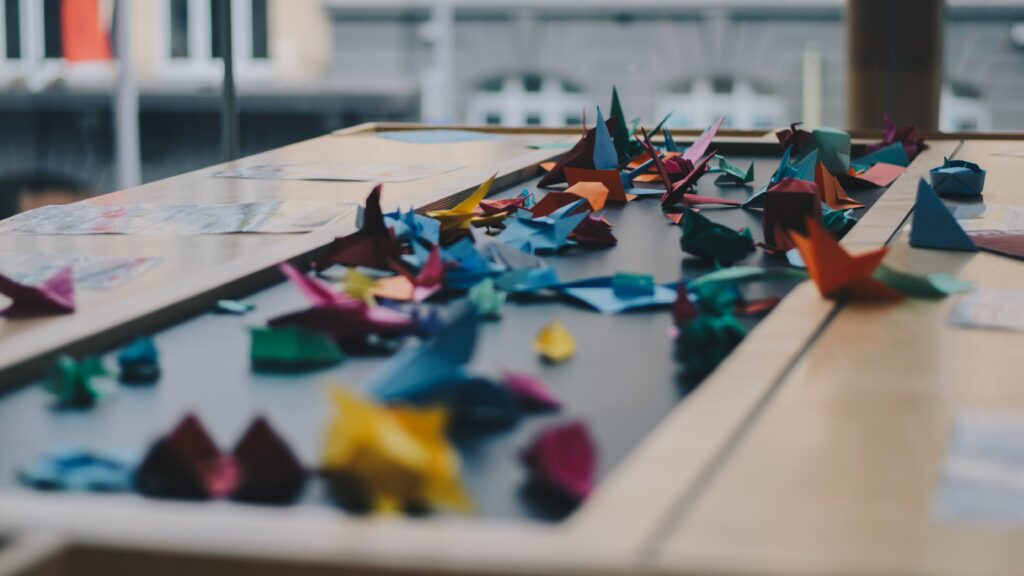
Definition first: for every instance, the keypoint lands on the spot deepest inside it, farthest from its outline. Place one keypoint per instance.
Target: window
(527, 100)
(700, 102)
(51, 29)
(12, 29)
(179, 28)
(192, 37)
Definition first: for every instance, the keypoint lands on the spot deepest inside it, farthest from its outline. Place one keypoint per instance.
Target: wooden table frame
(618, 530)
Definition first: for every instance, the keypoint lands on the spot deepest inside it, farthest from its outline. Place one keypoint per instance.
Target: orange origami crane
(836, 272)
(831, 190)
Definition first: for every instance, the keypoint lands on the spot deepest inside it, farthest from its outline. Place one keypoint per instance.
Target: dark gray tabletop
(622, 381)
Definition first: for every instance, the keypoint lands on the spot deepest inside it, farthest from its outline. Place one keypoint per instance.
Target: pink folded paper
(54, 296)
(564, 459)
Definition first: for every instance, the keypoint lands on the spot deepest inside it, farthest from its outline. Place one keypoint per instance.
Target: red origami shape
(270, 472)
(374, 245)
(186, 464)
(905, 135)
(406, 288)
(594, 231)
(563, 458)
(793, 136)
(787, 206)
(531, 391)
(56, 295)
(676, 192)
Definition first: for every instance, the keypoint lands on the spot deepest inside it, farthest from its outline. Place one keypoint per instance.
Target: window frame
(200, 63)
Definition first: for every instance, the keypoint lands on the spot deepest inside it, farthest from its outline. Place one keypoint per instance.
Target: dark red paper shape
(595, 232)
(579, 156)
(787, 205)
(186, 464)
(270, 472)
(905, 135)
(563, 458)
(54, 296)
(793, 136)
(1009, 244)
(374, 245)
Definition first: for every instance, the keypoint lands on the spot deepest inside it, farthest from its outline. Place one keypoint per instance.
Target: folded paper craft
(832, 192)
(545, 234)
(733, 175)
(933, 225)
(139, 362)
(554, 342)
(833, 149)
(374, 245)
(71, 382)
(384, 458)
(563, 459)
(619, 293)
(486, 299)
(958, 178)
(787, 206)
(838, 274)
(531, 391)
(904, 135)
(56, 295)
(595, 193)
(713, 242)
(1002, 242)
(404, 287)
(462, 215)
(292, 349)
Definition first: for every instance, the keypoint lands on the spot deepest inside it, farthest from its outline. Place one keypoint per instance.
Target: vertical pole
(812, 88)
(229, 99)
(126, 101)
(895, 61)
(437, 103)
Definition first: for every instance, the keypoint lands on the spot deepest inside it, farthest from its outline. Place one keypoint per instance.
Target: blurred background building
(305, 67)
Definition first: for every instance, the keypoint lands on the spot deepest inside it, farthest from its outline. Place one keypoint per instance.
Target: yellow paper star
(554, 342)
(399, 457)
(462, 215)
(359, 285)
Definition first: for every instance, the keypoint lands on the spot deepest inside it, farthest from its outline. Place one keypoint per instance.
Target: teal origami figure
(933, 225)
(958, 178)
(713, 242)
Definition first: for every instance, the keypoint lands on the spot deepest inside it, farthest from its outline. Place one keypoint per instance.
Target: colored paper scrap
(880, 175)
(545, 234)
(609, 296)
(72, 384)
(461, 216)
(788, 204)
(292, 349)
(78, 469)
(1009, 244)
(833, 149)
(990, 309)
(437, 136)
(531, 391)
(733, 175)
(832, 192)
(927, 286)
(892, 154)
(486, 299)
(374, 245)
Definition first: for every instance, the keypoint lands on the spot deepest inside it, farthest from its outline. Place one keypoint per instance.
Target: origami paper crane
(713, 242)
(563, 459)
(71, 382)
(505, 206)
(625, 147)
(933, 225)
(958, 178)
(579, 156)
(410, 226)
(1001, 242)
(787, 205)
(894, 154)
(676, 192)
(619, 293)
(545, 234)
(56, 295)
(531, 391)
(793, 137)
(554, 342)
(461, 216)
(187, 464)
(836, 273)
(606, 170)
(139, 362)
(733, 175)
(833, 149)
(374, 245)
(76, 469)
(832, 192)
(406, 288)
(502, 256)
(702, 343)
(486, 299)
(595, 193)
(903, 135)
(417, 372)
(837, 221)
(390, 458)
(346, 319)
(292, 349)
(802, 170)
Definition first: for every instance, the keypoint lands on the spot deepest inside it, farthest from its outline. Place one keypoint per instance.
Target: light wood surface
(838, 474)
(197, 270)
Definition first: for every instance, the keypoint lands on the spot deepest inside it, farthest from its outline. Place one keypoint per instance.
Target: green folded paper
(291, 349)
(713, 242)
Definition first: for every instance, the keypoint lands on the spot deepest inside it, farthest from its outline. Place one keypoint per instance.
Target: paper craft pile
(388, 445)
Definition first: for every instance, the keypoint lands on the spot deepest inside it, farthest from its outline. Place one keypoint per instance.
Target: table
(647, 493)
